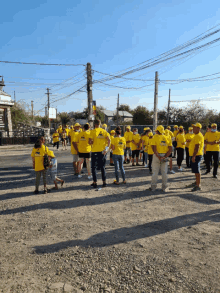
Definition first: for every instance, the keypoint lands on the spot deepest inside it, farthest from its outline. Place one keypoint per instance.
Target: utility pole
(48, 105)
(14, 97)
(117, 109)
(32, 109)
(168, 108)
(89, 91)
(155, 101)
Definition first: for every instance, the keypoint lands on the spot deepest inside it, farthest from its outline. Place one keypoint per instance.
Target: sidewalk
(16, 146)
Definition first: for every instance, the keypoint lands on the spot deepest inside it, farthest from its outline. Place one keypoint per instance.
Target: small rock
(149, 272)
(172, 279)
(135, 268)
(67, 288)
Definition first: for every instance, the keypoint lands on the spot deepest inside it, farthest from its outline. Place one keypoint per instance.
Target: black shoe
(215, 176)
(36, 191)
(111, 164)
(104, 184)
(207, 172)
(94, 185)
(173, 157)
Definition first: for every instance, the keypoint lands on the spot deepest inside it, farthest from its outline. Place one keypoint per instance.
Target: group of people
(157, 151)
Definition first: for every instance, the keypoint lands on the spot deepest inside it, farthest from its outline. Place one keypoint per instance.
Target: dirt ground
(117, 239)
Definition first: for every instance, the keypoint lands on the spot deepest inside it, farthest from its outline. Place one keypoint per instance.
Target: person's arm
(33, 161)
(169, 151)
(112, 147)
(154, 148)
(195, 152)
(75, 146)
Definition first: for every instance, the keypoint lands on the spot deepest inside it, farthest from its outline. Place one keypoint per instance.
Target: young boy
(53, 170)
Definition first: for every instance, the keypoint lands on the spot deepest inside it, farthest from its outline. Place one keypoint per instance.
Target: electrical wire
(43, 64)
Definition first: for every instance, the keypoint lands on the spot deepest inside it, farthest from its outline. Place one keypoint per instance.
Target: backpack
(46, 162)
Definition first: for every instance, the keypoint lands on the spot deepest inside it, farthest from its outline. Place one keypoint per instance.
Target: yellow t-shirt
(83, 141)
(145, 139)
(56, 137)
(149, 149)
(162, 142)
(67, 131)
(197, 139)
(73, 139)
(171, 133)
(64, 134)
(189, 136)
(175, 133)
(180, 138)
(136, 138)
(111, 138)
(120, 145)
(210, 137)
(128, 137)
(59, 130)
(38, 154)
(99, 137)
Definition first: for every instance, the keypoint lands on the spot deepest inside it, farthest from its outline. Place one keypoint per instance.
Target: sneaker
(137, 164)
(180, 170)
(104, 184)
(191, 185)
(146, 166)
(79, 176)
(207, 172)
(45, 191)
(94, 185)
(90, 177)
(196, 188)
(172, 172)
(36, 191)
(215, 176)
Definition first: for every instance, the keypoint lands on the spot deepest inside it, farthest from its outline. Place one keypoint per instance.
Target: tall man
(162, 148)
(128, 137)
(181, 142)
(212, 140)
(195, 152)
(74, 152)
(100, 141)
(189, 136)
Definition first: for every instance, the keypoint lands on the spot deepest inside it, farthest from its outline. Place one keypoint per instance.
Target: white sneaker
(146, 166)
(90, 177)
(181, 169)
(79, 176)
(172, 172)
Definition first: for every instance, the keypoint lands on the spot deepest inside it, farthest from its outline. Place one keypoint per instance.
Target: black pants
(150, 158)
(174, 148)
(215, 156)
(143, 157)
(98, 162)
(57, 144)
(180, 156)
(187, 157)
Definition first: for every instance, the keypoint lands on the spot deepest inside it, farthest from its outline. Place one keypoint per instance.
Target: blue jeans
(145, 157)
(118, 161)
(98, 161)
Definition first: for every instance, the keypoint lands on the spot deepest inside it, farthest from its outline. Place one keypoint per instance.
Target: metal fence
(20, 137)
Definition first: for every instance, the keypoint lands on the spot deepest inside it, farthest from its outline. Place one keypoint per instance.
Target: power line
(43, 64)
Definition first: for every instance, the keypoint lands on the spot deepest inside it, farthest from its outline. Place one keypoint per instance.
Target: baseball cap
(104, 125)
(112, 131)
(146, 128)
(77, 124)
(129, 127)
(214, 125)
(150, 134)
(190, 128)
(181, 127)
(160, 128)
(197, 125)
(168, 127)
(175, 126)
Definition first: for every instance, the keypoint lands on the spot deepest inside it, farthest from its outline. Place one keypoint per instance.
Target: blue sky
(112, 36)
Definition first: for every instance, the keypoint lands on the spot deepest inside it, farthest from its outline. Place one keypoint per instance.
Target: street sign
(52, 113)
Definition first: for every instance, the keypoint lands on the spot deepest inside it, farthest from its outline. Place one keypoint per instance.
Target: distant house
(5, 109)
(124, 116)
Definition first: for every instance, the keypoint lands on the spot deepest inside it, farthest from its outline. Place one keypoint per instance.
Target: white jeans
(156, 166)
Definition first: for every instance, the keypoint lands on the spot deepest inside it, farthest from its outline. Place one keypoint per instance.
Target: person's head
(168, 127)
(175, 127)
(181, 129)
(128, 128)
(214, 127)
(209, 128)
(190, 130)
(135, 131)
(97, 123)
(38, 144)
(118, 131)
(166, 132)
(112, 132)
(150, 135)
(86, 126)
(42, 139)
(104, 126)
(196, 127)
(77, 127)
(55, 131)
(160, 129)
(146, 130)
(72, 127)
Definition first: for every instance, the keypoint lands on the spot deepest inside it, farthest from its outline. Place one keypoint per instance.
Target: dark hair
(209, 126)
(118, 128)
(118, 131)
(86, 126)
(37, 143)
(97, 122)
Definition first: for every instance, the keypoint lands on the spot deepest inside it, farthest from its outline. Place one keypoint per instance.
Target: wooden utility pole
(117, 109)
(48, 105)
(89, 91)
(14, 97)
(155, 101)
(168, 108)
(32, 109)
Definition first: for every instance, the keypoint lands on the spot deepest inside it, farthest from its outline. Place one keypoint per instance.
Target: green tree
(64, 117)
(125, 107)
(19, 115)
(142, 116)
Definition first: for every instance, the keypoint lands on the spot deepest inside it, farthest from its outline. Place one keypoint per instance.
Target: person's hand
(193, 159)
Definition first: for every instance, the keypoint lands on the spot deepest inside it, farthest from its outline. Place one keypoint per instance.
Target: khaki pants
(156, 166)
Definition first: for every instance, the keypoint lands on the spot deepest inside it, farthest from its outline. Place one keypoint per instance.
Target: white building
(5, 109)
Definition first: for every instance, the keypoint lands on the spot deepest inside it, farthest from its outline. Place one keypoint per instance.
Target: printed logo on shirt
(100, 135)
(163, 143)
(83, 138)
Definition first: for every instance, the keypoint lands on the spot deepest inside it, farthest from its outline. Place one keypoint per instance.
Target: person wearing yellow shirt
(128, 137)
(118, 144)
(60, 130)
(150, 151)
(74, 134)
(175, 132)
(112, 135)
(37, 155)
(98, 139)
(67, 133)
(167, 133)
(83, 148)
(135, 146)
(181, 142)
(195, 152)
(56, 139)
(212, 140)
(189, 136)
(162, 148)
(144, 142)
(63, 139)
(170, 132)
